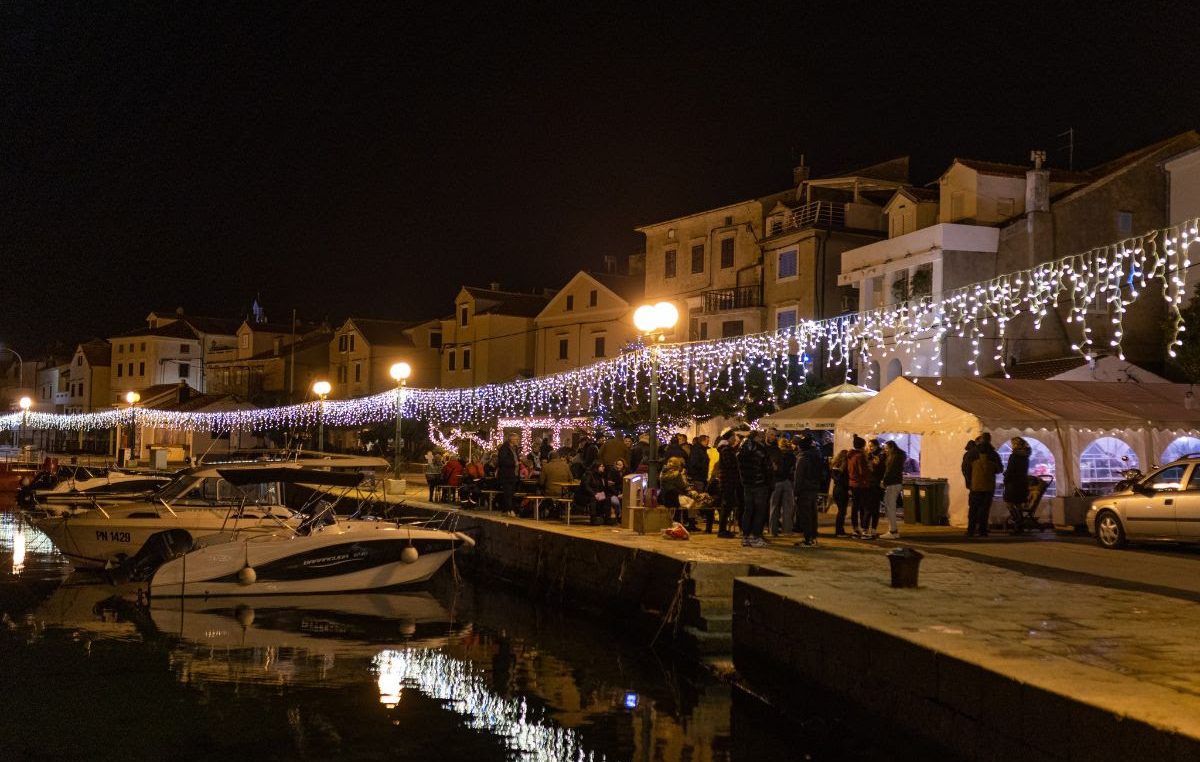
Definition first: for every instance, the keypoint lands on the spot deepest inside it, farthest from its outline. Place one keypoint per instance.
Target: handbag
(600, 497)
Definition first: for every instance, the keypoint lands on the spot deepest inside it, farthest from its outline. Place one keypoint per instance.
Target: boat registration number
(106, 536)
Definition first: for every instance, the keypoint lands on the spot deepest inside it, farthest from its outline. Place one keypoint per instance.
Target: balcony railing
(818, 214)
(740, 298)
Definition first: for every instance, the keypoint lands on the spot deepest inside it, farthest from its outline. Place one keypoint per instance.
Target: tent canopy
(821, 412)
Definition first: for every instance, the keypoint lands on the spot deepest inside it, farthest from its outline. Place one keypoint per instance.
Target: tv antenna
(1070, 146)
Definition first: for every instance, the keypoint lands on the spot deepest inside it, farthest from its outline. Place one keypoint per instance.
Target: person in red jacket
(858, 471)
(452, 472)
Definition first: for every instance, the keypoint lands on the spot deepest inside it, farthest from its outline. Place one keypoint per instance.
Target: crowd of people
(748, 484)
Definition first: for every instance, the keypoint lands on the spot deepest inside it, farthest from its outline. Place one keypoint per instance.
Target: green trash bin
(934, 506)
(923, 512)
(912, 509)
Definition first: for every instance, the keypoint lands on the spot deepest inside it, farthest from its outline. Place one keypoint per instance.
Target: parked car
(1163, 506)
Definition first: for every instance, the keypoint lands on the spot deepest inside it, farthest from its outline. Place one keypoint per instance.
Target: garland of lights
(1099, 284)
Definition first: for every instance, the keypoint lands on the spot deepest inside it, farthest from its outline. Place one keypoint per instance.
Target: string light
(1096, 286)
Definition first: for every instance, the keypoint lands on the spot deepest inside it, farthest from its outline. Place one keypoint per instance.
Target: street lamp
(133, 398)
(25, 403)
(322, 390)
(653, 321)
(400, 371)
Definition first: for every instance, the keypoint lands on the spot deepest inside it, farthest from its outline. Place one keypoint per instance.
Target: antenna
(1070, 146)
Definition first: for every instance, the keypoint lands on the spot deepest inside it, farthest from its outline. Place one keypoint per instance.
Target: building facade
(491, 337)
(589, 320)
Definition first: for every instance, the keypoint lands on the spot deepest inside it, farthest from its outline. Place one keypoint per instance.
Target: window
(435, 339)
(79, 361)
(698, 258)
(342, 343)
(593, 298)
(244, 339)
(570, 302)
(141, 368)
(466, 359)
(184, 370)
(1194, 482)
(450, 360)
(787, 264)
(357, 372)
(728, 220)
(120, 349)
(462, 315)
(785, 319)
(129, 370)
(1124, 222)
(143, 346)
(731, 328)
(562, 349)
(120, 368)
(669, 264)
(726, 253)
(80, 388)
(341, 374)
(1168, 478)
(703, 330)
(185, 349)
(351, 342)
(671, 234)
(776, 225)
(599, 352)
(1101, 464)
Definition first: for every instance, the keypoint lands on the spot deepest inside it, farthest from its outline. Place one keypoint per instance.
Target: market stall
(822, 412)
(1090, 430)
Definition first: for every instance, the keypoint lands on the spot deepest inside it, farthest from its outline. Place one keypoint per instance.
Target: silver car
(1165, 505)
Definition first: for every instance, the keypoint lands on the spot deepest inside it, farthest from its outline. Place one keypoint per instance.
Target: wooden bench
(445, 493)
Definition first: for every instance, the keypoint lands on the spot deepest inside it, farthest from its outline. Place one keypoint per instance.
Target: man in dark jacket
(639, 452)
(508, 471)
(984, 468)
(806, 481)
(697, 463)
(731, 485)
(893, 478)
(782, 508)
(754, 469)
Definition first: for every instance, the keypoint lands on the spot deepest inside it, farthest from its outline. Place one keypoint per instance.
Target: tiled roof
(1042, 369)
(196, 401)
(211, 325)
(302, 345)
(1018, 170)
(507, 302)
(98, 353)
(631, 288)
(388, 333)
(174, 330)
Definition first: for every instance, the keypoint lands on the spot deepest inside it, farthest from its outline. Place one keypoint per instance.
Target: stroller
(1024, 516)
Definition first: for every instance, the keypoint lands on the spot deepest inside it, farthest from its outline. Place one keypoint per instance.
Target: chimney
(1037, 184)
(800, 172)
(494, 285)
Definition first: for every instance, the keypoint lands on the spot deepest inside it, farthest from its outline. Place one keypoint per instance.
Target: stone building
(590, 319)
(491, 337)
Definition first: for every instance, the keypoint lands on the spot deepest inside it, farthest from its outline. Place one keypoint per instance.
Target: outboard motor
(27, 494)
(159, 548)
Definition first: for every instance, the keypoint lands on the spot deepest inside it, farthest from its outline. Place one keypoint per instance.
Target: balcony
(740, 298)
(828, 215)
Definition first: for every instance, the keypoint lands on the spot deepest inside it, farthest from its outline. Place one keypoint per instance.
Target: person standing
(433, 471)
(639, 452)
(730, 481)
(614, 449)
(893, 478)
(1016, 481)
(508, 462)
(806, 480)
(876, 466)
(545, 449)
(754, 471)
(984, 468)
(782, 506)
(839, 484)
(858, 473)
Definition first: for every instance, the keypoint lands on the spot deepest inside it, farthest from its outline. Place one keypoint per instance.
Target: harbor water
(465, 669)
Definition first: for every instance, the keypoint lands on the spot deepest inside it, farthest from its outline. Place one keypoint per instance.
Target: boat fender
(409, 555)
(247, 575)
(245, 614)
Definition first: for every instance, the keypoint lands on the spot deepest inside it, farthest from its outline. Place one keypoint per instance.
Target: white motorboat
(208, 503)
(349, 556)
(78, 484)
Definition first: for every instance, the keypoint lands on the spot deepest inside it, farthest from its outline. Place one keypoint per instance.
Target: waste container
(158, 458)
(934, 505)
(906, 563)
(912, 508)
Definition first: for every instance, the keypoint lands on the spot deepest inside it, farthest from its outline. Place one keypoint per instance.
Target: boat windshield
(209, 490)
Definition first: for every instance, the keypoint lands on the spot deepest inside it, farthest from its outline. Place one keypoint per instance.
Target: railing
(824, 214)
(742, 297)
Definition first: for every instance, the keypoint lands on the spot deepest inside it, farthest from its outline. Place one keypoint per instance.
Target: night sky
(350, 158)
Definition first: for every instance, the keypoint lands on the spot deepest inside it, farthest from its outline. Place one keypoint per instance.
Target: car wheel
(1109, 532)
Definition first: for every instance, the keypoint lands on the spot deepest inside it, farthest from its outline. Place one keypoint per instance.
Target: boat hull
(354, 556)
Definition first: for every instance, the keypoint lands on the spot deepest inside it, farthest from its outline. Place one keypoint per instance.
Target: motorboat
(207, 502)
(75, 484)
(346, 556)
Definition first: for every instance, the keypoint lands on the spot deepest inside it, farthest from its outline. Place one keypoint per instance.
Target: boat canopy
(243, 476)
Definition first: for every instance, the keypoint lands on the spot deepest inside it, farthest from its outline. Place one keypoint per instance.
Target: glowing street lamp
(133, 398)
(654, 321)
(400, 372)
(25, 403)
(322, 390)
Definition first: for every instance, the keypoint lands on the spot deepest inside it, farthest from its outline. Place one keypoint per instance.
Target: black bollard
(906, 562)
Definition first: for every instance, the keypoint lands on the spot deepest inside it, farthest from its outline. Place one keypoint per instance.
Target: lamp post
(321, 389)
(653, 321)
(25, 404)
(400, 371)
(133, 398)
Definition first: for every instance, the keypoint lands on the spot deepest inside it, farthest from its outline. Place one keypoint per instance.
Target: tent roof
(823, 412)
(923, 404)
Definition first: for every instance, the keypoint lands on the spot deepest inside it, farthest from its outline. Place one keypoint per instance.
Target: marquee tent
(822, 412)
(1071, 418)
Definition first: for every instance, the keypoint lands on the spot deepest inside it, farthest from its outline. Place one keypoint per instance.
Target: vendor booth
(821, 412)
(1083, 433)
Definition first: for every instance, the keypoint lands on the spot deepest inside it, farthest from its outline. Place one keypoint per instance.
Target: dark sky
(370, 158)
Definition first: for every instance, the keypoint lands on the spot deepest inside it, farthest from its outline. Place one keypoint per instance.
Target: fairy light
(1094, 289)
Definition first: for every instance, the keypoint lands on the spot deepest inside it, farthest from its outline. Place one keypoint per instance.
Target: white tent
(1066, 416)
(822, 412)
